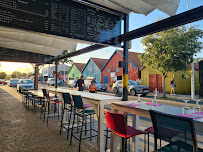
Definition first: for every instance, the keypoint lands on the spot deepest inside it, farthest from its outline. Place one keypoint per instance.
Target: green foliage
(2, 75)
(66, 60)
(24, 75)
(16, 74)
(8, 77)
(30, 74)
(171, 50)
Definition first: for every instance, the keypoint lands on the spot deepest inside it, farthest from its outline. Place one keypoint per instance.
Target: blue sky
(137, 21)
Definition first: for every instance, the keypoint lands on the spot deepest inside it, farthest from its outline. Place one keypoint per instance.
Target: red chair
(116, 122)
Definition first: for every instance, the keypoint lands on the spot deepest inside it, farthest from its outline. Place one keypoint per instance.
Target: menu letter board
(62, 18)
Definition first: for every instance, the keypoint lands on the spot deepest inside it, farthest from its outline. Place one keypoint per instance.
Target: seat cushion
(87, 105)
(130, 132)
(86, 112)
(165, 132)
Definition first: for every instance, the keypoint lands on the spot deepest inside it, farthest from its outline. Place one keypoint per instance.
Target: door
(155, 81)
(106, 80)
(152, 82)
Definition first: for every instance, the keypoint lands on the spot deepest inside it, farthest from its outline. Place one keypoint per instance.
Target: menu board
(65, 18)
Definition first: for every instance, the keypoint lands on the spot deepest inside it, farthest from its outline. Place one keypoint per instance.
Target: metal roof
(35, 42)
(140, 6)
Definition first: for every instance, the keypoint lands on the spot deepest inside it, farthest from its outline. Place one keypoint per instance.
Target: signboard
(113, 74)
(65, 18)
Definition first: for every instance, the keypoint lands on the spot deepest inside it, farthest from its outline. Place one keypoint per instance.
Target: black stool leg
(106, 139)
(90, 127)
(58, 110)
(81, 133)
(69, 123)
(148, 143)
(62, 120)
(72, 129)
(48, 113)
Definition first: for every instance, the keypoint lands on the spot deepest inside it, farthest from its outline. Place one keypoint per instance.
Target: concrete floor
(23, 131)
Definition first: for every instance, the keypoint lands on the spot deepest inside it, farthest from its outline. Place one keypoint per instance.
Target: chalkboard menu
(62, 18)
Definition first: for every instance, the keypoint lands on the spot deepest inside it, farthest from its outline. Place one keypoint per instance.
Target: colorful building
(48, 72)
(93, 68)
(75, 71)
(112, 72)
(154, 80)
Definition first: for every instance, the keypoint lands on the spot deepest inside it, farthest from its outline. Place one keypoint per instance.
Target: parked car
(133, 88)
(2, 81)
(13, 82)
(99, 86)
(25, 84)
(71, 83)
(51, 81)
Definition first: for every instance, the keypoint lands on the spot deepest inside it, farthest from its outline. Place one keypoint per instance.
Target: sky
(136, 21)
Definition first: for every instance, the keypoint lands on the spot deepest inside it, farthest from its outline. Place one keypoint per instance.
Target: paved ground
(22, 130)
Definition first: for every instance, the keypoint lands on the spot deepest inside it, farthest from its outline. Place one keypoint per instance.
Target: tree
(2, 75)
(16, 74)
(66, 60)
(30, 74)
(24, 75)
(171, 50)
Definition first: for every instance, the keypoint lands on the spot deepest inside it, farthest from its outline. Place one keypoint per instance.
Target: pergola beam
(190, 16)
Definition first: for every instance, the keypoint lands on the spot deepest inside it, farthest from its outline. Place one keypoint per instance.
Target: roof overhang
(140, 6)
(35, 42)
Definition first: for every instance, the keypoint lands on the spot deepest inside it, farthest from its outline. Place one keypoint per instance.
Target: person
(139, 80)
(92, 87)
(173, 85)
(80, 83)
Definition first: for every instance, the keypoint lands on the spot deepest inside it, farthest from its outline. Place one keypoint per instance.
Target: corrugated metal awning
(141, 6)
(35, 42)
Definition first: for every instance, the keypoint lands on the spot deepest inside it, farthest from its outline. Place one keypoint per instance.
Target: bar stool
(116, 123)
(67, 105)
(52, 102)
(80, 111)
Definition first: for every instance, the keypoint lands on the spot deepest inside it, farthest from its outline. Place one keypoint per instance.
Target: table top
(39, 93)
(94, 96)
(143, 109)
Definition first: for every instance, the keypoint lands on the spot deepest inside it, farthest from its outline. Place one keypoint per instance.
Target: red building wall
(113, 63)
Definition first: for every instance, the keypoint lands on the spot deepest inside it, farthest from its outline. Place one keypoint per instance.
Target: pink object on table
(189, 116)
(153, 104)
(198, 113)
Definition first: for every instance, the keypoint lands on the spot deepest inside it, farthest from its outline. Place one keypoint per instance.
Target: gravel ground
(23, 131)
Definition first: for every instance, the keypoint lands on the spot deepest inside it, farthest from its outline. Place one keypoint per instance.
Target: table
(143, 111)
(98, 101)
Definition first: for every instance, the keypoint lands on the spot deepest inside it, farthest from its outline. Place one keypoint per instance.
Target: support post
(125, 60)
(56, 73)
(36, 77)
(193, 83)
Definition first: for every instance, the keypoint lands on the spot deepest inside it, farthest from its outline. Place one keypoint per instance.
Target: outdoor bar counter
(98, 102)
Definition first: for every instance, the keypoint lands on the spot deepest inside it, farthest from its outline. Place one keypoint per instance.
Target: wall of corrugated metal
(74, 73)
(113, 63)
(91, 70)
(183, 85)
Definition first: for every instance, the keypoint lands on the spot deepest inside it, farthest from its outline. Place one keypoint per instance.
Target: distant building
(93, 68)
(153, 79)
(111, 71)
(75, 71)
(49, 72)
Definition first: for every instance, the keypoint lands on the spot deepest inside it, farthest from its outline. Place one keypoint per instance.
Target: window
(116, 69)
(108, 70)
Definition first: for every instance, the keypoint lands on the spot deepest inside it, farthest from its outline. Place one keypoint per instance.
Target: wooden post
(36, 77)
